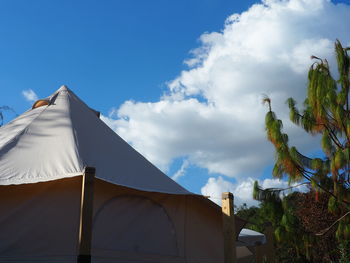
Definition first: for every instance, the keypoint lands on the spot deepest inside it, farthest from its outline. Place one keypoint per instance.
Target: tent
(139, 214)
(246, 245)
(250, 238)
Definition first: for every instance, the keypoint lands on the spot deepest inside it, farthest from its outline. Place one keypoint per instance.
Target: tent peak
(63, 88)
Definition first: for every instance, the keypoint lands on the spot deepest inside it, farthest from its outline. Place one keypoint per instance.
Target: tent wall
(204, 232)
(153, 227)
(39, 222)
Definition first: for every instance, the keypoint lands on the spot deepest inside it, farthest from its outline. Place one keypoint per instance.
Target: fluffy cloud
(212, 112)
(30, 95)
(181, 172)
(242, 191)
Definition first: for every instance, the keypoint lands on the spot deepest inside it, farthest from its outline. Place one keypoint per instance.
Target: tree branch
(303, 171)
(335, 138)
(324, 231)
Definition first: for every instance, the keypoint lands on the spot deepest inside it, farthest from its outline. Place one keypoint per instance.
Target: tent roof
(248, 237)
(61, 139)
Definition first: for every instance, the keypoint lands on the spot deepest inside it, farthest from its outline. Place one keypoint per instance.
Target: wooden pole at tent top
(228, 220)
(86, 214)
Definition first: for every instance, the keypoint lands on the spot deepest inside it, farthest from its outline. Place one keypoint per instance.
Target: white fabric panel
(197, 223)
(115, 160)
(61, 139)
(39, 146)
(13, 129)
(40, 222)
(127, 215)
(204, 236)
(136, 225)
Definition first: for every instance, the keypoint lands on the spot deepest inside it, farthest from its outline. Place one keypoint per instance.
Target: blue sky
(112, 52)
(106, 51)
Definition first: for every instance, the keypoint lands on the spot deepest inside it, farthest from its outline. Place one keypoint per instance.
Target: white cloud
(212, 112)
(215, 187)
(109, 121)
(30, 95)
(181, 172)
(242, 191)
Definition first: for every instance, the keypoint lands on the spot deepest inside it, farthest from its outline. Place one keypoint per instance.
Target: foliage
(295, 218)
(251, 214)
(326, 113)
(313, 216)
(344, 249)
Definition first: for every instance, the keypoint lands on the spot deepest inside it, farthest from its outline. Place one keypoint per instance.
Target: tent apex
(63, 88)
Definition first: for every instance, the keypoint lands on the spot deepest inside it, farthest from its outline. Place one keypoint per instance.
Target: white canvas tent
(139, 214)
